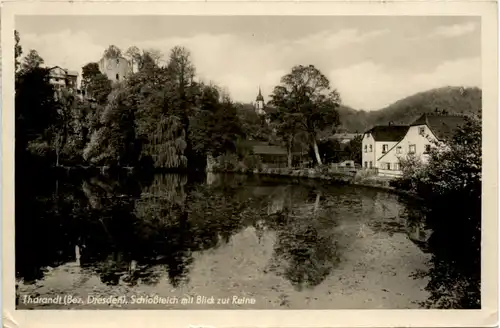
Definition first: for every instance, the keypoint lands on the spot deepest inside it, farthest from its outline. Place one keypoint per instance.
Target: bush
(450, 185)
(252, 162)
(227, 162)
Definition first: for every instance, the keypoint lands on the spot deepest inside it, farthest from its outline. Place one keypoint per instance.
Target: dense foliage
(159, 116)
(450, 186)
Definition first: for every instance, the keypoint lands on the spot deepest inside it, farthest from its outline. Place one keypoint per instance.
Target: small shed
(270, 155)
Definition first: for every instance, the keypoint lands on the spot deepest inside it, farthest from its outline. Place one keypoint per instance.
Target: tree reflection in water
(125, 231)
(306, 250)
(135, 230)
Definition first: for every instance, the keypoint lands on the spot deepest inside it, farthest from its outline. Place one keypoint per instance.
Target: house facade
(62, 78)
(378, 141)
(421, 136)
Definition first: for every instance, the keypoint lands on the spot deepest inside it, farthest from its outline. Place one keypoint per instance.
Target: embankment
(352, 177)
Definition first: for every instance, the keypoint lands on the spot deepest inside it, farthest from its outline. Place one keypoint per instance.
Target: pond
(169, 241)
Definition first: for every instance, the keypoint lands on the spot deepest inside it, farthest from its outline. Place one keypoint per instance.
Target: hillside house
(378, 141)
(420, 136)
(61, 79)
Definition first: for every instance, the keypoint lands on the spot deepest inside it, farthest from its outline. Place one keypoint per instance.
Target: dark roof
(268, 150)
(259, 96)
(388, 132)
(263, 148)
(443, 126)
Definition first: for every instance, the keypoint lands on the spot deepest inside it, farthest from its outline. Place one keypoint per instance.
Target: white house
(378, 141)
(418, 140)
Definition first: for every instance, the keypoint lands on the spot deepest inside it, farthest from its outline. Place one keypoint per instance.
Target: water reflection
(137, 231)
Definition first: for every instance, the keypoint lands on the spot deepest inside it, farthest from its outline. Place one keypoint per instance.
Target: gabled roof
(443, 126)
(388, 132)
(67, 72)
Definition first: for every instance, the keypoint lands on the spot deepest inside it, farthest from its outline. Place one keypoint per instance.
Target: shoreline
(349, 178)
(337, 177)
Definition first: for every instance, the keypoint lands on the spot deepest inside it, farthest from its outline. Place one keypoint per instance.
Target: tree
(18, 50)
(112, 52)
(450, 186)
(354, 149)
(61, 130)
(115, 143)
(308, 101)
(134, 55)
(89, 71)
(32, 61)
(95, 84)
(285, 124)
(253, 126)
(34, 105)
(181, 70)
(215, 127)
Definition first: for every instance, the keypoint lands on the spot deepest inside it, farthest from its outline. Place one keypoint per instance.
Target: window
(371, 148)
(117, 77)
(366, 164)
(385, 148)
(366, 148)
(412, 149)
(371, 164)
(398, 150)
(427, 149)
(386, 166)
(421, 130)
(117, 61)
(396, 167)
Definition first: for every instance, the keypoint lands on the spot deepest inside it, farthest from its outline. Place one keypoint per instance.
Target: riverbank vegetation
(450, 186)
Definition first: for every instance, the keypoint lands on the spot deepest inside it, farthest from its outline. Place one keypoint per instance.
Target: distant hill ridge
(453, 100)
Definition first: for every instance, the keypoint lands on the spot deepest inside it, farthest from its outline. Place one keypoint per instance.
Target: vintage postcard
(241, 164)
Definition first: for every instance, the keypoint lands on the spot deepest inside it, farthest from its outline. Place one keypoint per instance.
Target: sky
(372, 61)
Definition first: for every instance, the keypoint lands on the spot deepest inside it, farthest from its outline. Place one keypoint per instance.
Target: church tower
(259, 104)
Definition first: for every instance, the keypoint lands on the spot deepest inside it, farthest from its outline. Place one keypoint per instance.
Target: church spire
(259, 96)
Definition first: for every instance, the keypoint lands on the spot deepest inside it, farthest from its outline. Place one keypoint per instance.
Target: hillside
(454, 100)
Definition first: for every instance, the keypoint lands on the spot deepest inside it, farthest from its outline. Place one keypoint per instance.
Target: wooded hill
(453, 100)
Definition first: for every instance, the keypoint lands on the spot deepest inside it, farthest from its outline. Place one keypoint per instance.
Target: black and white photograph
(250, 162)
